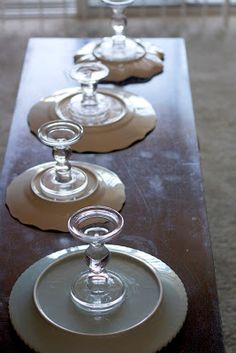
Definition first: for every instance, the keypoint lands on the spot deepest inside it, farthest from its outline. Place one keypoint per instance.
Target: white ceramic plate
(148, 337)
(28, 208)
(139, 119)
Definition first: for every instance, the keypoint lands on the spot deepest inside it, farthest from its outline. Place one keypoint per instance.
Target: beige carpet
(212, 60)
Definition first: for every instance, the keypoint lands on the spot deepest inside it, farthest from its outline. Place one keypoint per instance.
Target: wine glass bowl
(60, 133)
(97, 290)
(118, 2)
(96, 223)
(89, 72)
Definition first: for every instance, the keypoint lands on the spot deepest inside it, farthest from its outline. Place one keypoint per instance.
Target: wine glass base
(109, 109)
(131, 51)
(56, 190)
(98, 110)
(109, 295)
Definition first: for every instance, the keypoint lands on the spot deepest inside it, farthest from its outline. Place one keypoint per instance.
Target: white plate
(105, 188)
(139, 119)
(148, 337)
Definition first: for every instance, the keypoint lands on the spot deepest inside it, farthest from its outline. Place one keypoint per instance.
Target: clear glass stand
(97, 290)
(62, 181)
(119, 47)
(90, 107)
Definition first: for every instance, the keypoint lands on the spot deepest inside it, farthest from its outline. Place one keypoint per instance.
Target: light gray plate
(52, 295)
(148, 337)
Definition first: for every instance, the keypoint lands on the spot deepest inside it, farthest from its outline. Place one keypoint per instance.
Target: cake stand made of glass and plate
(62, 181)
(118, 48)
(49, 193)
(90, 107)
(95, 290)
(135, 301)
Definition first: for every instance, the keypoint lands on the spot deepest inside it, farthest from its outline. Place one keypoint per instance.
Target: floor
(211, 48)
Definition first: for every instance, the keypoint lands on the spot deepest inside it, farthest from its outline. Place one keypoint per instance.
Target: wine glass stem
(63, 167)
(119, 22)
(97, 256)
(89, 97)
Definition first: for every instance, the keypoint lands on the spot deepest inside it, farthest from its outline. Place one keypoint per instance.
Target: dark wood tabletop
(165, 213)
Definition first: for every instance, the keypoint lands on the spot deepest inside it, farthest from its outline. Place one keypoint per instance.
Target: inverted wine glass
(89, 107)
(62, 181)
(97, 289)
(119, 47)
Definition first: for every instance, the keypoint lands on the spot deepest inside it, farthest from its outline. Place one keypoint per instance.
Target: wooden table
(165, 212)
